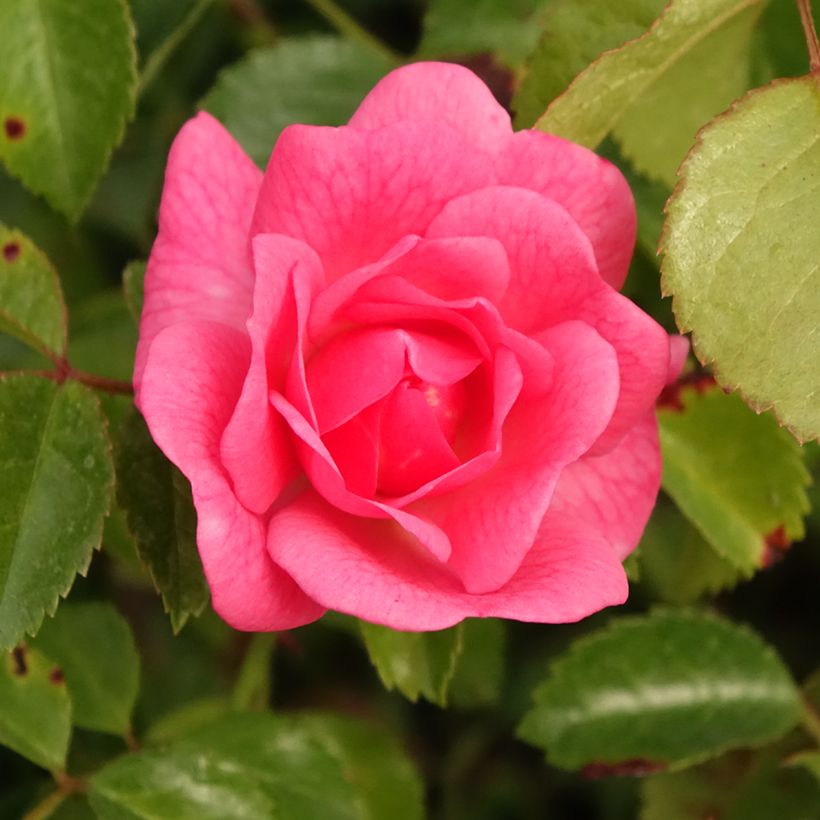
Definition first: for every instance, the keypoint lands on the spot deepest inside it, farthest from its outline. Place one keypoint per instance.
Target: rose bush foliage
(396, 367)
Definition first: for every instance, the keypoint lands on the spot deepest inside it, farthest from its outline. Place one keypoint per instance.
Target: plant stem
(66, 786)
(64, 371)
(350, 28)
(253, 683)
(812, 44)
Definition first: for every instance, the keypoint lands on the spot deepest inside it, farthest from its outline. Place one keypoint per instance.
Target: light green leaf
(575, 33)
(655, 92)
(809, 760)
(249, 765)
(387, 784)
(479, 669)
(133, 287)
(35, 710)
(737, 476)
(667, 689)
(160, 513)
(508, 28)
(31, 300)
(415, 663)
(313, 80)
(55, 491)
(677, 563)
(741, 250)
(66, 90)
(93, 645)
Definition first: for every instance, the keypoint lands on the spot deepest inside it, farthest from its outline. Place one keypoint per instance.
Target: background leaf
(133, 286)
(57, 482)
(159, 510)
(93, 645)
(479, 671)
(31, 300)
(311, 80)
(748, 291)
(35, 711)
(415, 663)
(664, 690)
(737, 476)
(66, 91)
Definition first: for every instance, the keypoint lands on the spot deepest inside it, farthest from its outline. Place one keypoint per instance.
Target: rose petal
(613, 493)
(199, 266)
(191, 381)
(492, 522)
(438, 93)
(256, 448)
(352, 195)
(678, 353)
(367, 569)
(593, 191)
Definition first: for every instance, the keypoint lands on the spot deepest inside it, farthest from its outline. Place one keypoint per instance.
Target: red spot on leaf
(15, 128)
(18, 655)
(56, 676)
(777, 542)
(671, 395)
(11, 250)
(636, 767)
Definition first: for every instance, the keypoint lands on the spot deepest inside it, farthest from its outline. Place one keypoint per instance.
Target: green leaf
(655, 92)
(93, 645)
(663, 690)
(575, 33)
(31, 300)
(35, 710)
(160, 513)
(810, 761)
(250, 765)
(741, 248)
(479, 669)
(66, 90)
(677, 563)
(737, 476)
(736, 787)
(415, 663)
(133, 287)
(387, 784)
(508, 28)
(313, 80)
(57, 483)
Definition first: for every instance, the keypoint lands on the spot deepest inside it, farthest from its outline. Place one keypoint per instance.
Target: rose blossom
(396, 368)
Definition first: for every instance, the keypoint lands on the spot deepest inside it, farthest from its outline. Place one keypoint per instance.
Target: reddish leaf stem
(812, 44)
(65, 371)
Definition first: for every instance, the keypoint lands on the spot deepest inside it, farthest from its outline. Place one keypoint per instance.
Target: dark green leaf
(480, 666)
(31, 300)
(157, 502)
(664, 690)
(741, 249)
(57, 482)
(35, 710)
(133, 285)
(508, 28)
(415, 663)
(66, 90)
(93, 645)
(737, 476)
(315, 81)
(250, 765)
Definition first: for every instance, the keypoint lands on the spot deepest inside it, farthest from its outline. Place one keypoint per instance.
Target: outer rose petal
(256, 449)
(371, 570)
(192, 378)
(493, 520)
(438, 92)
(614, 493)
(199, 266)
(678, 353)
(593, 190)
(352, 195)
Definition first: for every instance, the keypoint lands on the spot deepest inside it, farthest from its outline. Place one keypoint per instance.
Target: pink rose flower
(396, 367)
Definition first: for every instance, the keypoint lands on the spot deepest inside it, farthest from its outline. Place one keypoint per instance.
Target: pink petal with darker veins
(191, 382)
(199, 266)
